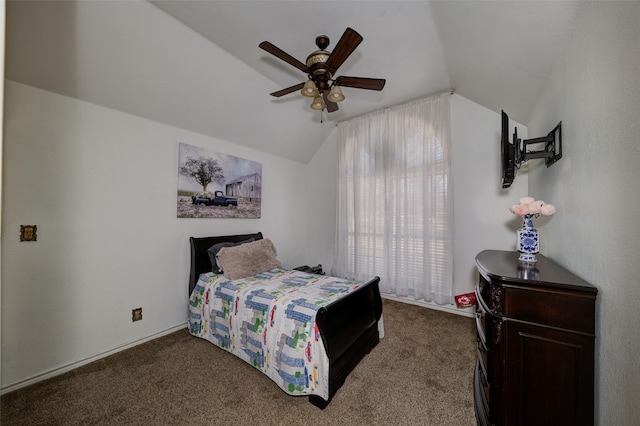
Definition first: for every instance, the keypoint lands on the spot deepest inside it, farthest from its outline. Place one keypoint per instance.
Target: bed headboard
(200, 262)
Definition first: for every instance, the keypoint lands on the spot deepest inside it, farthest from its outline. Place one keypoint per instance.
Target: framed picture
(213, 185)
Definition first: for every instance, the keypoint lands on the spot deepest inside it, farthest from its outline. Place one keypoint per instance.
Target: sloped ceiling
(196, 64)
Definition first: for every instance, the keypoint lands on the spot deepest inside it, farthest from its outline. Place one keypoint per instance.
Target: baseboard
(465, 312)
(66, 368)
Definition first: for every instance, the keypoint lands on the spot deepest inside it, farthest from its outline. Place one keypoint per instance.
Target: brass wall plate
(136, 314)
(28, 233)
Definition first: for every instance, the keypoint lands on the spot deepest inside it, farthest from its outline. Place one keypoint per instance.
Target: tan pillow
(248, 259)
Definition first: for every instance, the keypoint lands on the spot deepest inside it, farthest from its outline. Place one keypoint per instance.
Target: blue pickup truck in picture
(219, 199)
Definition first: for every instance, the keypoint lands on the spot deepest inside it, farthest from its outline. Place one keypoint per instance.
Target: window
(394, 215)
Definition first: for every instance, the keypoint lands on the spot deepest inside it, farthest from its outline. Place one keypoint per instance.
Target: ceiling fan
(321, 67)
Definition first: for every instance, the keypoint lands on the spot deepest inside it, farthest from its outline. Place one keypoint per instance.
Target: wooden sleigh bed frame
(349, 326)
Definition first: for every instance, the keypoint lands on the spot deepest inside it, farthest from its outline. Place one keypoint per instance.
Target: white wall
(481, 216)
(101, 187)
(481, 207)
(322, 173)
(595, 90)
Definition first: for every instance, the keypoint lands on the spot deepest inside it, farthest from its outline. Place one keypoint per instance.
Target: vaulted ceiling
(196, 65)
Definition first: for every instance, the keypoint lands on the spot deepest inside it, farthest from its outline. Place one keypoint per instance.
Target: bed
(347, 327)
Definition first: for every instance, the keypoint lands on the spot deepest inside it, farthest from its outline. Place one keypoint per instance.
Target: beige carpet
(420, 374)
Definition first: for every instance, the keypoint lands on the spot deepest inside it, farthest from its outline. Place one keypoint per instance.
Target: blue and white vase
(528, 240)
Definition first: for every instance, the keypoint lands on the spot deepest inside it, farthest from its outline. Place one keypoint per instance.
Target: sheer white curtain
(394, 214)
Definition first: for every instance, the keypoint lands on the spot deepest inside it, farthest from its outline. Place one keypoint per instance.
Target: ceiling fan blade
(287, 90)
(331, 106)
(345, 47)
(361, 82)
(276, 51)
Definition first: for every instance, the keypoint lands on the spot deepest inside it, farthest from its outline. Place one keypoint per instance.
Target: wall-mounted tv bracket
(552, 150)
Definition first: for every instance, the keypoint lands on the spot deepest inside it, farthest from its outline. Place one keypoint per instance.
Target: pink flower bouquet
(531, 206)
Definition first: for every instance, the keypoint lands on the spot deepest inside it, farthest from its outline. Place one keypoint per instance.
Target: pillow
(214, 249)
(248, 259)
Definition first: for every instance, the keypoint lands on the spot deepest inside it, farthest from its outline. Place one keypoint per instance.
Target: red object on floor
(465, 300)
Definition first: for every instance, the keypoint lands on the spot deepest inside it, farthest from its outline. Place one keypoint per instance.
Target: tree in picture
(203, 170)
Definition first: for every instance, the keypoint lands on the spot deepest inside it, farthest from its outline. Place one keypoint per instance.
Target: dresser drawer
(551, 307)
(482, 359)
(482, 414)
(482, 389)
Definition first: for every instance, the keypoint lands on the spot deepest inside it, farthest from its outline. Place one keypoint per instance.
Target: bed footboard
(349, 329)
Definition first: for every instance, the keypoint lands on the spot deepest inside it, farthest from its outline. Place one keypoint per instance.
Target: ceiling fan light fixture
(309, 89)
(318, 103)
(336, 95)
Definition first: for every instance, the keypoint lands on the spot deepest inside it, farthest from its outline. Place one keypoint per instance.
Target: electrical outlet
(136, 314)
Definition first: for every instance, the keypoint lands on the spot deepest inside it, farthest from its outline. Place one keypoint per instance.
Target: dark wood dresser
(536, 333)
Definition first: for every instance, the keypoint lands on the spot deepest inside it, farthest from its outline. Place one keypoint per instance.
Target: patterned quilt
(268, 320)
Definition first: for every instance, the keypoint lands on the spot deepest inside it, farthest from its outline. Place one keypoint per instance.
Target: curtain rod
(451, 92)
